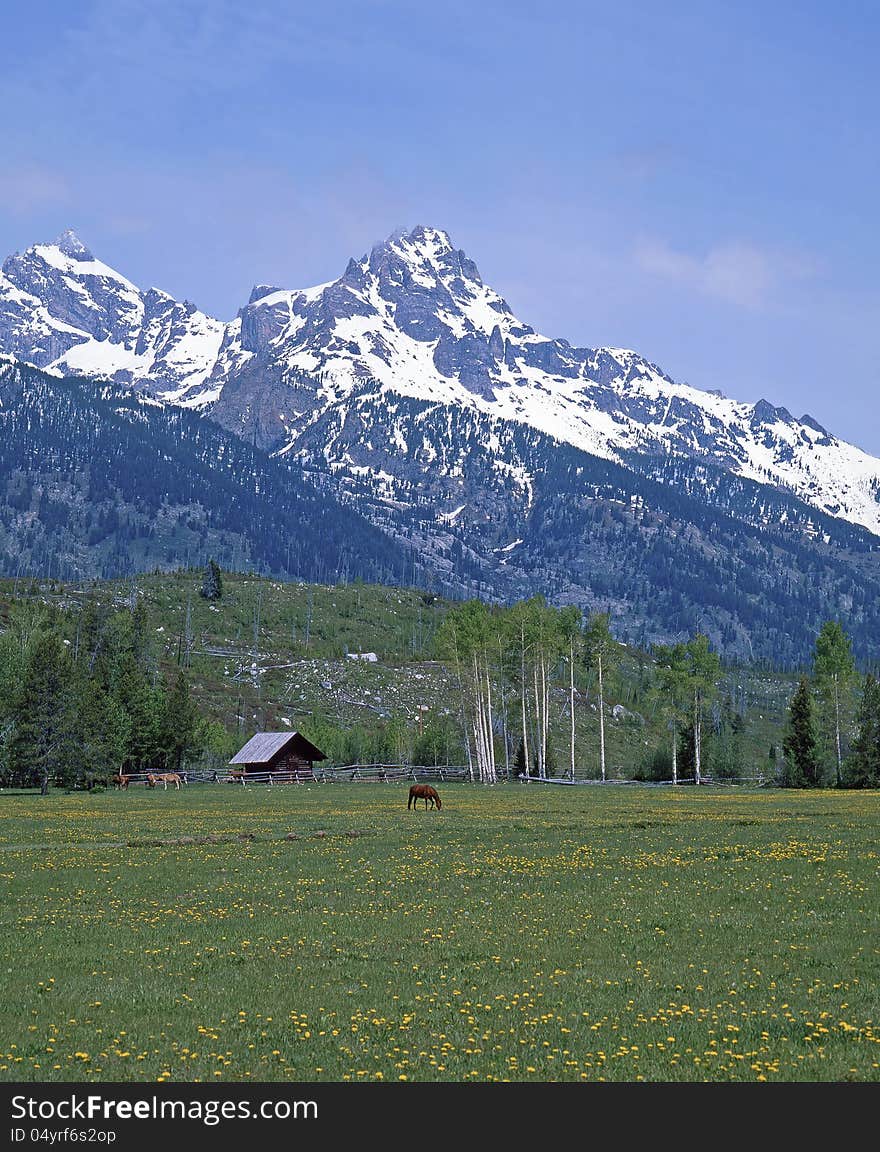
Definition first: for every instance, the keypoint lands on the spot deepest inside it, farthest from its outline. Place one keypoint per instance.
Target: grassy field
(310, 933)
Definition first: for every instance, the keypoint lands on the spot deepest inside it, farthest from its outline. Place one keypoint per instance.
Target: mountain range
(497, 461)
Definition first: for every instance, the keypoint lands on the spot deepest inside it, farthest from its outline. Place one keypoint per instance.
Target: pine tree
(519, 760)
(139, 641)
(42, 735)
(686, 755)
(550, 768)
(727, 754)
(181, 732)
(103, 729)
(772, 765)
(801, 768)
(862, 769)
(212, 582)
(144, 707)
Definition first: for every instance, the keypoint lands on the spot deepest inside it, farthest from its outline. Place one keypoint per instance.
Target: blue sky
(698, 181)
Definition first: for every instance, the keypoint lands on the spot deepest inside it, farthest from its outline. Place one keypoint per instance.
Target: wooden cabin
(287, 752)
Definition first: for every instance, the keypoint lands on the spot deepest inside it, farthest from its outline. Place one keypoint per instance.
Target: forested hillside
(98, 481)
(374, 673)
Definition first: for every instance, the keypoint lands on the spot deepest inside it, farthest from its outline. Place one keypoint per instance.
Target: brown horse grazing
(163, 778)
(120, 780)
(423, 792)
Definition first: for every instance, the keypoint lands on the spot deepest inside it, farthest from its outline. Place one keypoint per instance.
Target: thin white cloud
(128, 225)
(23, 190)
(738, 272)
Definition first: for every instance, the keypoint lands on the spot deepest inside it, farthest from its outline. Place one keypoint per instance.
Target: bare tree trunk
(504, 714)
(479, 731)
(538, 743)
(490, 738)
(483, 721)
(522, 673)
(571, 699)
(674, 753)
(525, 734)
(697, 736)
(467, 748)
(837, 729)
(477, 748)
(506, 734)
(464, 723)
(477, 727)
(601, 722)
(545, 710)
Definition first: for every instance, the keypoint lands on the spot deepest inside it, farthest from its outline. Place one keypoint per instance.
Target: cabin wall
(284, 762)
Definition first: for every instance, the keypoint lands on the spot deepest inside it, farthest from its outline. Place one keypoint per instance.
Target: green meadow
(525, 932)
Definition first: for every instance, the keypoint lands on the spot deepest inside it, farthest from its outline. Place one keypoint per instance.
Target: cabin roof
(265, 746)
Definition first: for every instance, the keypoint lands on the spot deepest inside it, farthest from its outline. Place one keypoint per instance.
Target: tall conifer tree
(802, 768)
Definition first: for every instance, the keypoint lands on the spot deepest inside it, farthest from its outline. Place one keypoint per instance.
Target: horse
(120, 780)
(423, 792)
(163, 778)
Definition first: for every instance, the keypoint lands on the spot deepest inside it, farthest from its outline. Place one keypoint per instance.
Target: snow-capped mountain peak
(425, 261)
(64, 310)
(67, 255)
(412, 318)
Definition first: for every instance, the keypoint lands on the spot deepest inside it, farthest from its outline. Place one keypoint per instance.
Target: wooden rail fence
(390, 773)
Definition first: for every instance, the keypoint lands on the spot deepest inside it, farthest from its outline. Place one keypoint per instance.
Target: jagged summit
(811, 422)
(422, 234)
(428, 239)
(71, 245)
(425, 252)
(766, 413)
(424, 246)
(260, 290)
